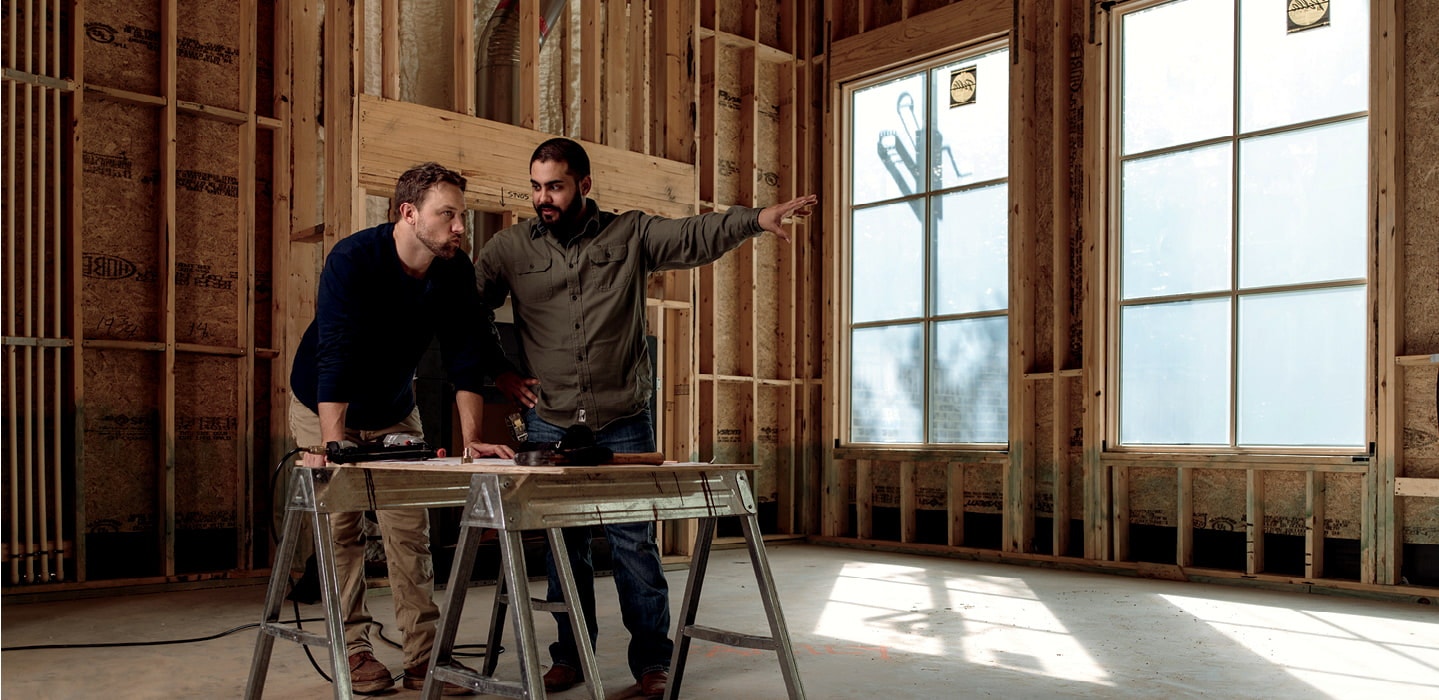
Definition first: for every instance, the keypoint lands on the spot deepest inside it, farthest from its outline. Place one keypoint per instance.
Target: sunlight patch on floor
(998, 621)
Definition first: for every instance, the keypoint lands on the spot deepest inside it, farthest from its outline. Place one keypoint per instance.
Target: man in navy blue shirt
(385, 292)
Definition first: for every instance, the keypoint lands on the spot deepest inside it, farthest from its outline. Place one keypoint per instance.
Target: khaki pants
(406, 536)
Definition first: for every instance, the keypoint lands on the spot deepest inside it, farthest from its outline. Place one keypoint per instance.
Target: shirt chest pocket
(534, 280)
(609, 266)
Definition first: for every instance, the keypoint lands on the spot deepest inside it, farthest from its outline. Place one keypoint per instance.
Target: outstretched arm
(772, 218)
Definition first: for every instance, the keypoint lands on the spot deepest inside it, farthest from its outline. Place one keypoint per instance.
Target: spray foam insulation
(768, 24)
(120, 247)
(207, 210)
(122, 440)
(731, 17)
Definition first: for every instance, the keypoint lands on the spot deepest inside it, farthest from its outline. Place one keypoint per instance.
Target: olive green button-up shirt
(580, 308)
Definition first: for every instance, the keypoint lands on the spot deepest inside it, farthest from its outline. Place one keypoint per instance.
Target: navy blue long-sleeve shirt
(373, 323)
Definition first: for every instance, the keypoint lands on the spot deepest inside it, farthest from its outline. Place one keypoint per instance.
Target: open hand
(772, 218)
(518, 389)
(485, 449)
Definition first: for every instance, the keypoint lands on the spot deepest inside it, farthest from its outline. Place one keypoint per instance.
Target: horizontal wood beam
(495, 158)
(919, 37)
(1415, 486)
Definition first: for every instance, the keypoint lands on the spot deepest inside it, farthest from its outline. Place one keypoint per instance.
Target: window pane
(888, 148)
(969, 393)
(1302, 205)
(1288, 78)
(971, 141)
(1182, 48)
(1301, 368)
(888, 258)
(1174, 373)
(887, 384)
(1176, 237)
(971, 241)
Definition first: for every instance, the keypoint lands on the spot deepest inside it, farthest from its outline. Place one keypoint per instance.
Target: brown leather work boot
(561, 678)
(653, 684)
(367, 674)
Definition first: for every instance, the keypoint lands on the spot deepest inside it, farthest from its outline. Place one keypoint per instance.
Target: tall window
(928, 253)
(1242, 236)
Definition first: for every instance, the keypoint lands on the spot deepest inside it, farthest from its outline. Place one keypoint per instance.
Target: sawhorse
(579, 496)
(314, 493)
(511, 499)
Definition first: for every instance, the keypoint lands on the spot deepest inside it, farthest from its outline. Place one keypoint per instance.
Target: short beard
(569, 218)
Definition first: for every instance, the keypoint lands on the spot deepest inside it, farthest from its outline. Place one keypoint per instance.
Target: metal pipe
(497, 72)
(27, 294)
(12, 422)
(57, 330)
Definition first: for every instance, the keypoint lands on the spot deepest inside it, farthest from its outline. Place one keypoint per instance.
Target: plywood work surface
(505, 466)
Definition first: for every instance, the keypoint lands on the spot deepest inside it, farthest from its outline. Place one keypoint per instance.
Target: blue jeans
(639, 577)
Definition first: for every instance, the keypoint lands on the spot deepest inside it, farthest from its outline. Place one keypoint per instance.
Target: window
(1242, 244)
(927, 228)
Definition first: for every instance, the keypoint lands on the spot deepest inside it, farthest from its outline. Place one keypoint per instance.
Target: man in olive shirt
(577, 278)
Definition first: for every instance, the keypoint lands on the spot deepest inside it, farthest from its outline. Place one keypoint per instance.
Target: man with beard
(385, 292)
(576, 277)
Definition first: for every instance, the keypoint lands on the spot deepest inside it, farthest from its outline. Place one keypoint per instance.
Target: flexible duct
(497, 72)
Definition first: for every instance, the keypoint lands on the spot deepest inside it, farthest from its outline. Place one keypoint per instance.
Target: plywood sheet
(731, 323)
(1343, 496)
(208, 65)
(1284, 503)
(733, 441)
(1421, 424)
(773, 337)
(1153, 497)
(122, 47)
(774, 433)
(264, 257)
(1421, 198)
(731, 125)
(207, 433)
(1219, 499)
(120, 246)
(207, 209)
(885, 478)
(770, 162)
(931, 486)
(983, 488)
(122, 434)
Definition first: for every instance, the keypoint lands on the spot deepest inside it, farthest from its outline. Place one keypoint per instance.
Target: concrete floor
(865, 625)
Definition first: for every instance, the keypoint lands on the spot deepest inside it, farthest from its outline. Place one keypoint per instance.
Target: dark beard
(569, 220)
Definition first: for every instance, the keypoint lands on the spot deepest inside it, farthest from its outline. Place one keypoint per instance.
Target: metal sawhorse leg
(301, 503)
(511, 591)
(778, 641)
